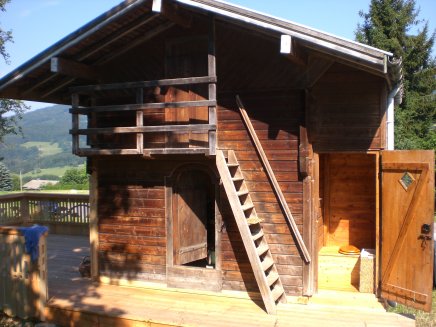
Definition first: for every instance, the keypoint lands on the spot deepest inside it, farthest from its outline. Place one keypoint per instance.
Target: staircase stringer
(252, 235)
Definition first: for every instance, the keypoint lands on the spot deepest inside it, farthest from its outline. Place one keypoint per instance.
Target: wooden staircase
(252, 235)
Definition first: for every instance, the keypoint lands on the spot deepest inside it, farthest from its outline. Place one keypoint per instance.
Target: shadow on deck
(76, 301)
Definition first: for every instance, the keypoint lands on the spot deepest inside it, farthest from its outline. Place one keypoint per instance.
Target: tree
(5, 178)
(74, 176)
(389, 25)
(11, 111)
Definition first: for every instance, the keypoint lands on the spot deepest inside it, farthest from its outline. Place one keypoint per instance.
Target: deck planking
(76, 301)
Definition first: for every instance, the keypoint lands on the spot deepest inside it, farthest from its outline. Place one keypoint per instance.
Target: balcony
(169, 116)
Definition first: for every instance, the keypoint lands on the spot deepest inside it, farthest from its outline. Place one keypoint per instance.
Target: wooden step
(267, 263)
(242, 193)
(237, 179)
(232, 165)
(253, 220)
(272, 278)
(277, 292)
(261, 249)
(258, 235)
(247, 206)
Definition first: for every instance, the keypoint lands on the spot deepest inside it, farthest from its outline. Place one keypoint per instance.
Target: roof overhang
(374, 60)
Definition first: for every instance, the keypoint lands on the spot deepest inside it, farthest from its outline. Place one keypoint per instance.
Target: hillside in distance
(45, 142)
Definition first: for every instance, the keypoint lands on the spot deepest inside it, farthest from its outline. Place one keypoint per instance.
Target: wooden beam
(281, 198)
(176, 14)
(73, 69)
(136, 107)
(286, 44)
(316, 68)
(147, 36)
(144, 84)
(157, 6)
(196, 128)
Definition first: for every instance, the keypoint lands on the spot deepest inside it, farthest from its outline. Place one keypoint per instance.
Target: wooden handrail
(272, 178)
(144, 84)
(145, 129)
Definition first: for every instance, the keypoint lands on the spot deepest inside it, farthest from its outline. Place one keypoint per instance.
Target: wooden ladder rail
(252, 235)
(275, 184)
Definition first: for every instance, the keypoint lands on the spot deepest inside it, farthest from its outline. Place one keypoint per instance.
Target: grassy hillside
(45, 146)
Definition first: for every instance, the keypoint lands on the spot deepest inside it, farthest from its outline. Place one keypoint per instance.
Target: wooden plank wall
(348, 111)
(276, 117)
(131, 219)
(350, 205)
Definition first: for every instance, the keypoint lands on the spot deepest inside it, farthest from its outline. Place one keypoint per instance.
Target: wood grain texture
(407, 249)
(349, 200)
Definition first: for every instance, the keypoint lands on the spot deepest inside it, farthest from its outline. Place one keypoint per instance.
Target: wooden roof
(80, 54)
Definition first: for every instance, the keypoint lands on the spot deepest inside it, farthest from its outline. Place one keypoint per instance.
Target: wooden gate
(407, 227)
(23, 283)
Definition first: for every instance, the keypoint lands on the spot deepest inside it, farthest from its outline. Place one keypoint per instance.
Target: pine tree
(388, 25)
(5, 178)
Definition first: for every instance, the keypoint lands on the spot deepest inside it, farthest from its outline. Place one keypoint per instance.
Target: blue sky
(37, 24)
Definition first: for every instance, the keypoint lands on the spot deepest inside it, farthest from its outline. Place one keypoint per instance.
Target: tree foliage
(390, 25)
(5, 178)
(74, 178)
(11, 111)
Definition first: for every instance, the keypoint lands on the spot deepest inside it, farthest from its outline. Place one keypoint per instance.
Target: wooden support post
(24, 209)
(307, 172)
(212, 86)
(75, 100)
(140, 121)
(93, 221)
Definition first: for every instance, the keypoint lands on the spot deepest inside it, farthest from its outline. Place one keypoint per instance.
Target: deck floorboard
(76, 301)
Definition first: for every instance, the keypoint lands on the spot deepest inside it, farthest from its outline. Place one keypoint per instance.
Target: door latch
(424, 239)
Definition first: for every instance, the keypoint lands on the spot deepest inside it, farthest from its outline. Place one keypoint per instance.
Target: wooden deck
(75, 301)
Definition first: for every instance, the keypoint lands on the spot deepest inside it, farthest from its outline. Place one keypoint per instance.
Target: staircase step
(258, 235)
(253, 220)
(262, 249)
(247, 206)
(277, 292)
(237, 179)
(272, 278)
(267, 263)
(232, 165)
(242, 193)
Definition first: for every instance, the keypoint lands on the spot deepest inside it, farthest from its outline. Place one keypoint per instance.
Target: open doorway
(193, 225)
(347, 222)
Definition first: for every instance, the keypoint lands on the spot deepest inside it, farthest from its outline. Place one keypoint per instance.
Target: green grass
(58, 171)
(46, 148)
(423, 319)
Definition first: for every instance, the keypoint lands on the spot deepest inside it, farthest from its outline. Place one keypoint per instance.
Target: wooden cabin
(231, 150)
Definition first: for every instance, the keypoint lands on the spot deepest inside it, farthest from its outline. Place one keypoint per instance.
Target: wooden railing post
(212, 86)
(140, 121)
(24, 209)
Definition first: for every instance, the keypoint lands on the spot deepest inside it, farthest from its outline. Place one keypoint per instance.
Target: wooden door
(407, 227)
(190, 219)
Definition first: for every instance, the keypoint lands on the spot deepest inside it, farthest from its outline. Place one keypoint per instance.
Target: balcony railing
(142, 128)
